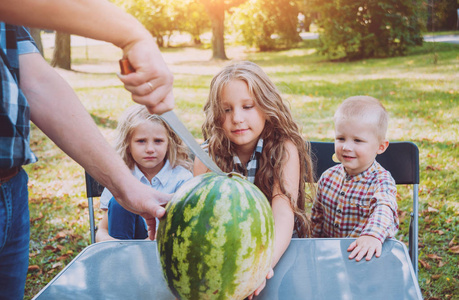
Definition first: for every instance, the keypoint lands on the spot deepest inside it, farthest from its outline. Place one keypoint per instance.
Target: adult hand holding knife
(149, 80)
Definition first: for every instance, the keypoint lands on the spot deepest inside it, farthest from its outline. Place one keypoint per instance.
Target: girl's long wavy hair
(279, 128)
(133, 116)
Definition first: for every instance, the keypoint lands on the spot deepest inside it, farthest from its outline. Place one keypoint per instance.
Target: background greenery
(356, 29)
(419, 90)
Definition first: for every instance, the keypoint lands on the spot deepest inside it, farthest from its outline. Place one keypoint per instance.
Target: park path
(446, 38)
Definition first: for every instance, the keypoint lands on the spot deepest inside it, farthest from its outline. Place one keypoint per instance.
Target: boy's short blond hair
(364, 109)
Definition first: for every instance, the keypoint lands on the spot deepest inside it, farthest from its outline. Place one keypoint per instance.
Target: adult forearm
(151, 84)
(56, 110)
(98, 19)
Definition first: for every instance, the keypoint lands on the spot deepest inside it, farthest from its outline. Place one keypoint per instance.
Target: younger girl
(156, 156)
(249, 129)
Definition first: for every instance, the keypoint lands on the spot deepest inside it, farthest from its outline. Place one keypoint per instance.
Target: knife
(174, 122)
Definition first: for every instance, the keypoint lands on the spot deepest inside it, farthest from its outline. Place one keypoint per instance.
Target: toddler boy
(357, 197)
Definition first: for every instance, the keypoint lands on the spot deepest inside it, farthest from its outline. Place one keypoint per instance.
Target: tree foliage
(156, 16)
(162, 17)
(356, 29)
(442, 14)
(194, 19)
(268, 24)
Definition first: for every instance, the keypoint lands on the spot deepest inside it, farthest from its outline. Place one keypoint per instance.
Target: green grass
(419, 90)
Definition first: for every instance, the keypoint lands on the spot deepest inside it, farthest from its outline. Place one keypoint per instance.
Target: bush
(357, 29)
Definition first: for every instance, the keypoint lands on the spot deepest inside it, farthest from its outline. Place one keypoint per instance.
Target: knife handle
(126, 67)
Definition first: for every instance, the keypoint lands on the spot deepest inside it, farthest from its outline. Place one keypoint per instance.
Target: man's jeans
(14, 237)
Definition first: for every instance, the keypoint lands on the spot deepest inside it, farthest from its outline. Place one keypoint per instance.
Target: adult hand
(144, 201)
(153, 211)
(151, 82)
(263, 284)
(151, 223)
(365, 245)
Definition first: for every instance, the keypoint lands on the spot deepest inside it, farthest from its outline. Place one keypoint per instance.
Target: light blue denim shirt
(168, 181)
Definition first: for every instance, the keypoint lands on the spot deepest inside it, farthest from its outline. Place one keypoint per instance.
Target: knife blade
(174, 122)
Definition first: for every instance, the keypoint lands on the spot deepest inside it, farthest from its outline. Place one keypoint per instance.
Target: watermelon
(217, 238)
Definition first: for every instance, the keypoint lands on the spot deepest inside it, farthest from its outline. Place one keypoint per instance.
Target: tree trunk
(160, 41)
(218, 31)
(61, 54)
(36, 35)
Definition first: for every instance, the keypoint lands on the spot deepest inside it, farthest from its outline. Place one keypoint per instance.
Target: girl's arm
(283, 226)
(282, 210)
(102, 230)
(284, 218)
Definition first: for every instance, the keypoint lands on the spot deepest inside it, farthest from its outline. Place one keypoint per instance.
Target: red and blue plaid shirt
(351, 206)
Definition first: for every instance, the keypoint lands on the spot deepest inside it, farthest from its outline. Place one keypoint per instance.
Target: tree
(356, 29)
(216, 10)
(268, 24)
(62, 51)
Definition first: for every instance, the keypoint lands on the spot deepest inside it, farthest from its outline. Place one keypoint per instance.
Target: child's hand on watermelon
(262, 286)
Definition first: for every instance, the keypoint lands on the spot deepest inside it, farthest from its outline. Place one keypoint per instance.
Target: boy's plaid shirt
(351, 206)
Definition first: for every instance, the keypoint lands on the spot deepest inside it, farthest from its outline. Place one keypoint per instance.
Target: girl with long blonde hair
(249, 129)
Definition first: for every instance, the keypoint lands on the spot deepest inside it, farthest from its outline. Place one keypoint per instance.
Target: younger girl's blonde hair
(279, 128)
(133, 116)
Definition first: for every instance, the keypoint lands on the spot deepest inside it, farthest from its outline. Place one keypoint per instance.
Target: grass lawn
(420, 90)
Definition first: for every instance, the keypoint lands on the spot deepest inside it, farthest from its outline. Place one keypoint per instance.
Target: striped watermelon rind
(217, 239)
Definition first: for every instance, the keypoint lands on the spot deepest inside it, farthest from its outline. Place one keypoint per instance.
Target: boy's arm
(383, 220)
(317, 213)
(381, 224)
